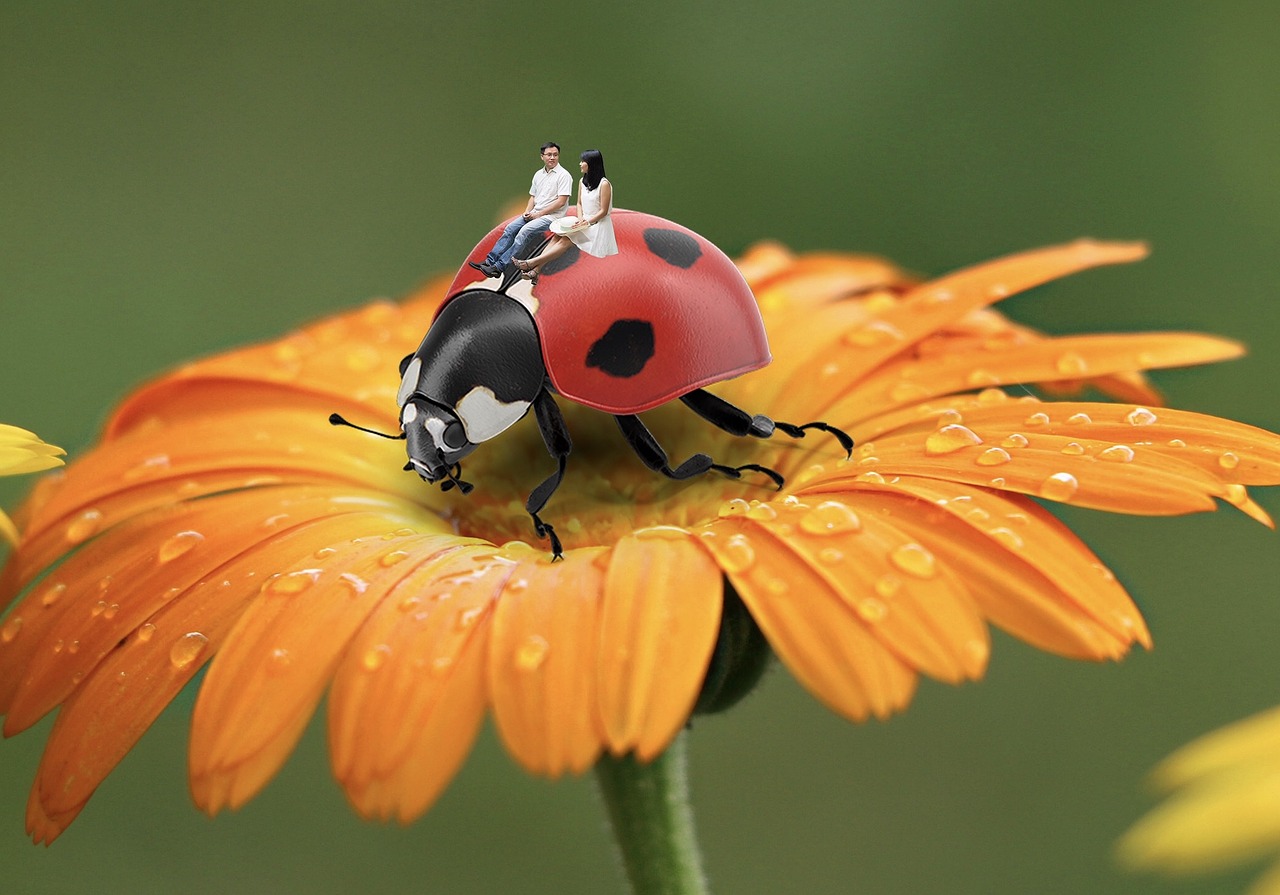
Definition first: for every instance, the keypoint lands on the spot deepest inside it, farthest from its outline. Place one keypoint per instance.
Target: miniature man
(548, 197)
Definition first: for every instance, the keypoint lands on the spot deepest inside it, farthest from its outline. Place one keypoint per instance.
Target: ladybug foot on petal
(846, 441)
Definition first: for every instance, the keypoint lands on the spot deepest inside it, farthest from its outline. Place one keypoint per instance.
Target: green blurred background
(176, 179)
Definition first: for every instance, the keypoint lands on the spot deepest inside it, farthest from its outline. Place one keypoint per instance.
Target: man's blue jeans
(518, 236)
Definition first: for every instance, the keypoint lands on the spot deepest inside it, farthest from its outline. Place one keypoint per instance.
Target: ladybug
(665, 316)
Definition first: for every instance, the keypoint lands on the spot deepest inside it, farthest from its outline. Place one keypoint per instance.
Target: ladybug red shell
(669, 313)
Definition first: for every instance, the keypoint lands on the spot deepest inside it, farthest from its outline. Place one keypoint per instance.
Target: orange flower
(222, 518)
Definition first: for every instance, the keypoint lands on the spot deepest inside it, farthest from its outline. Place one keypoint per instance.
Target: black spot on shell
(564, 262)
(672, 246)
(624, 349)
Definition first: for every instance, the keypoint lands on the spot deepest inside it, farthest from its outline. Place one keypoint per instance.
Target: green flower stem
(653, 823)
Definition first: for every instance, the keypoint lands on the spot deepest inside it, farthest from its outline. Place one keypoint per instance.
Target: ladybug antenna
(336, 419)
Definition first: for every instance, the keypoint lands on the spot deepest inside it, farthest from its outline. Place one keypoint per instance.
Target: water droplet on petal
(989, 396)
(993, 457)
(950, 418)
(1073, 449)
(950, 439)
(1237, 495)
(1039, 418)
(871, 610)
(737, 554)
(1072, 364)
(357, 584)
(830, 556)
(913, 559)
(1117, 453)
(1007, 537)
(830, 518)
(293, 582)
(187, 649)
(1140, 416)
(98, 608)
(395, 556)
(532, 653)
(52, 594)
(84, 526)
(111, 611)
(1079, 419)
(735, 507)
(1059, 486)
(762, 513)
(1177, 443)
(373, 658)
(888, 585)
(982, 378)
(1228, 460)
(11, 629)
(146, 632)
(467, 618)
(877, 332)
(998, 482)
(1015, 440)
(181, 543)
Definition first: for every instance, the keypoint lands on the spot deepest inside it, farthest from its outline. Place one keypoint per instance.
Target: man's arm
(548, 208)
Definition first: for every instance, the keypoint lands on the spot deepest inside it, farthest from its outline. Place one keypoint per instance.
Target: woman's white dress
(598, 239)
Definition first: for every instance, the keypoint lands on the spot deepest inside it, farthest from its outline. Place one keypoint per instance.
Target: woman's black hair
(595, 168)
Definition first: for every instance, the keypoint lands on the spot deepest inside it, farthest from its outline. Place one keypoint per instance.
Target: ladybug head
(435, 440)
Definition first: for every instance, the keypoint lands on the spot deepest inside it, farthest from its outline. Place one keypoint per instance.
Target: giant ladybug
(665, 316)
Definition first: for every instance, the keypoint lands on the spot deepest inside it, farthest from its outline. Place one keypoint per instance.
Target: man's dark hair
(546, 146)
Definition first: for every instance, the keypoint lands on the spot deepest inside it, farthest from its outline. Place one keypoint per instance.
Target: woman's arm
(606, 201)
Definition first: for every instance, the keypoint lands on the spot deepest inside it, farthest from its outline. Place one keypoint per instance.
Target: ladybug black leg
(654, 457)
(555, 434)
(737, 421)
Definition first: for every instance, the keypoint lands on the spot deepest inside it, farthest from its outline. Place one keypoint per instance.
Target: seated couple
(593, 233)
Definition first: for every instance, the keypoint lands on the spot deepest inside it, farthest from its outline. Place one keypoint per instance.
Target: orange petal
(889, 581)
(127, 690)
(106, 590)
(264, 684)
(542, 663)
(812, 628)
(658, 626)
(1025, 569)
(409, 695)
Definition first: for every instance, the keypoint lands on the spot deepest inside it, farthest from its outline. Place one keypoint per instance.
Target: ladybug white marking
(410, 381)
(483, 416)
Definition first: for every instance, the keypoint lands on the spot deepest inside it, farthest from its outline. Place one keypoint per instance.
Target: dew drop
(325, 552)
(1039, 418)
(661, 533)
(181, 543)
(777, 586)
(84, 526)
(98, 608)
(393, 557)
(950, 418)
(737, 555)
(73, 647)
(111, 610)
(409, 603)
(1140, 416)
(293, 582)
(998, 482)
(1059, 486)
(762, 512)
(531, 654)
(1117, 453)
(373, 658)
(1073, 449)
(52, 594)
(830, 556)
(977, 514)
(830, 518)
(1016, 440)
(1079, 419)
(877, 332)
(873, 478)
(989, 396)
(1072, 364)
(888, 585)
(1228, 460)
(993, 457)
(467, 618)
(11, 629)
(950, 439)
(187, 649)
(146, 632)
(1177, 443)
(872, 610)
(982, 379)
(1237, 495)
(913, 559)
(1007, 537)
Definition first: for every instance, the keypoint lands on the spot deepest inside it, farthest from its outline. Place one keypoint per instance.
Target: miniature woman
(595, 201)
